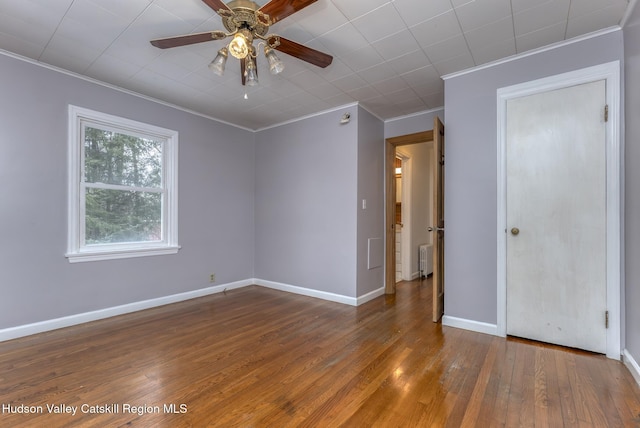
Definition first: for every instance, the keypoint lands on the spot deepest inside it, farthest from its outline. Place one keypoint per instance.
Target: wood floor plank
(256, 357)
(569, 414)
(515, 397)
(540, 390)
(475, 403)
(503, 369)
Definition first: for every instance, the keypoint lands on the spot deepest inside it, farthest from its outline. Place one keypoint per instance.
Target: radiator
(426, 260)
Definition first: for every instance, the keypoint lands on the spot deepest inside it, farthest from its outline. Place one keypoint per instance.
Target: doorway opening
(403, 167)
(435, 190)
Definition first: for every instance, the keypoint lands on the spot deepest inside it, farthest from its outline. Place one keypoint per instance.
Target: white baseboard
(54, 324)
(631, 364)
(339, 298)
(369, 296)
(480, 327)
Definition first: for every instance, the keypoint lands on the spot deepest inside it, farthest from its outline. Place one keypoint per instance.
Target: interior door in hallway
(556, 216)
(438, 218)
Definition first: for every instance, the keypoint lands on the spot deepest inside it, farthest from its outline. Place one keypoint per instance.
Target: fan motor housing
(246, 14)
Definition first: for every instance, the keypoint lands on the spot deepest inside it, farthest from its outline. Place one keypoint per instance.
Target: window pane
(116, 158)
(118, 216)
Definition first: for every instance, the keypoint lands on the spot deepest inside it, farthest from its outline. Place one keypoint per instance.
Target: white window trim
(76, 251)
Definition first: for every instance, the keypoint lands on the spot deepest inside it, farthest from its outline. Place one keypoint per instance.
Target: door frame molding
(610, 72)
(390, 204)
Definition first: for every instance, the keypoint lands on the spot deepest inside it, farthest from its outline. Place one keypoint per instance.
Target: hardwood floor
(257, 357)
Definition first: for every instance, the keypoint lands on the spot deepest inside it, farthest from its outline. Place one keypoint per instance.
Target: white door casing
(608, 190)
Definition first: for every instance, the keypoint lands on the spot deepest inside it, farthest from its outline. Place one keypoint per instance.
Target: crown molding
(627, 13)
(362, 106)
(320, 113)
(118, 88)
(420, 113)
(533, 52)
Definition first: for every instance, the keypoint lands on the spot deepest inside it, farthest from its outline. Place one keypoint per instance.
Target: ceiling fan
(246, 21)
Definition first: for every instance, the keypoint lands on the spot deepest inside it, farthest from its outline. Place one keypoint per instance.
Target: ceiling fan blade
(189, 39)
(280, 9)
(216, 5)
(304, 53)
(243, 70)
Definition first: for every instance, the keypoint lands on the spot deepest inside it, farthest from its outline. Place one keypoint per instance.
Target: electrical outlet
(212, 277)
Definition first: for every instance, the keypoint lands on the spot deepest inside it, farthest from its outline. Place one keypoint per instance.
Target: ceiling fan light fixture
(218, 63)
(275, 64)
(246, 21)
(252, 74)
(239, 46)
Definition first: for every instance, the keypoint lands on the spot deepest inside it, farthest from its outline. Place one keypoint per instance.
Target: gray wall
(306, 203)
(471, 168)
(370, 187)
(632, 182)
(281, 205)
(216, 202)
(411, 124)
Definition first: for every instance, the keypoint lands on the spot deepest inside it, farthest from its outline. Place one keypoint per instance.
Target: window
(122, 188)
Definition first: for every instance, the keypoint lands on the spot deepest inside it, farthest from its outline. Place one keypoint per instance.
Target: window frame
(77, 249)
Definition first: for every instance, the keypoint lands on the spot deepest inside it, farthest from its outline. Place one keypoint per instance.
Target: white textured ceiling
(388, 55)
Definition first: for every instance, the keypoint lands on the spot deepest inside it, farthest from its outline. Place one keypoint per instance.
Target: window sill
(93, 256)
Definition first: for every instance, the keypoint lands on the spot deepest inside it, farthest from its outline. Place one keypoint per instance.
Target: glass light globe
(252, 74)
(238, 46)
(218, 63)
(275, 64)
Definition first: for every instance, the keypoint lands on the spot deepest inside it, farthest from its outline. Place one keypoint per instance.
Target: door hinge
(606, 319)
(606, 113)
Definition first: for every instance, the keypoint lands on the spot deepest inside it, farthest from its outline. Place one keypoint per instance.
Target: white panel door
(556, 216)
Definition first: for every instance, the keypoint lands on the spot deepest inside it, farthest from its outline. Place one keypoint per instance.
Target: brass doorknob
(515, 231)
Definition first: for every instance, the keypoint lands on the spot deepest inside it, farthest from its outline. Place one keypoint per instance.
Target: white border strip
(369, 296)
(632, 365)
(186, 110)
(532, 52)
(627, 13)
(118, 88)
(54, 324)
(71, 320)
(363, 107)
(420, 113)
(465, 324)
(174, 106)
(309, 116)
(339, 298)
